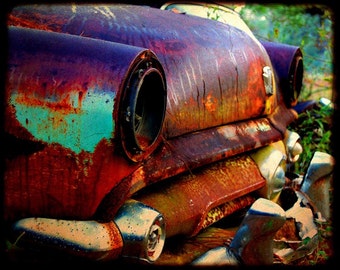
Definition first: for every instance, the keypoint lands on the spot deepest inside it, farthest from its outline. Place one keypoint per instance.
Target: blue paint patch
(80, 130)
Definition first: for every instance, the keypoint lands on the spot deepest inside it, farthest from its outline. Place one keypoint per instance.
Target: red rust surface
(224, 210)
(199, 148)
(116, 242)
(211, 72)
(180, 252)
(64, 181)
(61, 158)
(189, 152)
(282, 117)
(55, 182)
(186, 201)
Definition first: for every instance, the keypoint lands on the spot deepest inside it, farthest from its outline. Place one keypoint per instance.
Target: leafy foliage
(311, 28)
(314, 127)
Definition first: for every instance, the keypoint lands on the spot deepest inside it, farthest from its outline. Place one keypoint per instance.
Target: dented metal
(299, 236)
(208, 66)
(271, 161)
(317, 182)
(142, 229)
(137, 232)
(128, 125)
(188, 199)
(90, 239)
(253, 241)
(77, 103)
(294, 148)
(66, 102)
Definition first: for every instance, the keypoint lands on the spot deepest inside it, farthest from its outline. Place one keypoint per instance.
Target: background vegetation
(311, 28)
(308, 26)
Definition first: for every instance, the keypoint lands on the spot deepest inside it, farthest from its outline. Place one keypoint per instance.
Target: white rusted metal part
(253, 241)
(304, 238)
(91, 239)
(293, 146)
(218, 256)
(138, 231)
(316, 182)
(142, 229)
(271, 161)
(304, 217)
(310, 194)
(268, 80)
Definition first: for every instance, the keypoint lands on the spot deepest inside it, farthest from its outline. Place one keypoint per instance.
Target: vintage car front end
(127, 125)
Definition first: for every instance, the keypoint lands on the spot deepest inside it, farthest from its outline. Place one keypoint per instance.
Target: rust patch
(187, 199)
(55, 182)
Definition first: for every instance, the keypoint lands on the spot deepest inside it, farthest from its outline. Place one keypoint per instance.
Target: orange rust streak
(15, 21)
(210, 103)
(62, 106)
(116, 242)
(39, 21)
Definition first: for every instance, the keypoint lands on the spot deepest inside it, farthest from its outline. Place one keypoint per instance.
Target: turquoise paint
(82, 130)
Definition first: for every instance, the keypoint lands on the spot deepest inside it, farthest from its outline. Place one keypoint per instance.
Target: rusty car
(128, 125)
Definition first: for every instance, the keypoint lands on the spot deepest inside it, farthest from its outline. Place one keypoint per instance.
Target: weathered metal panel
(189, 152)
(62, 96)
(63, 92)
(65, 89)
(213, 70)
(186, 201)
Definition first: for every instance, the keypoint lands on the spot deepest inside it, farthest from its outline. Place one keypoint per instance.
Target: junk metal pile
(129, 126)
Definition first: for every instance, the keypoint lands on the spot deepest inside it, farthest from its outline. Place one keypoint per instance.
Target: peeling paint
(78, 131)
